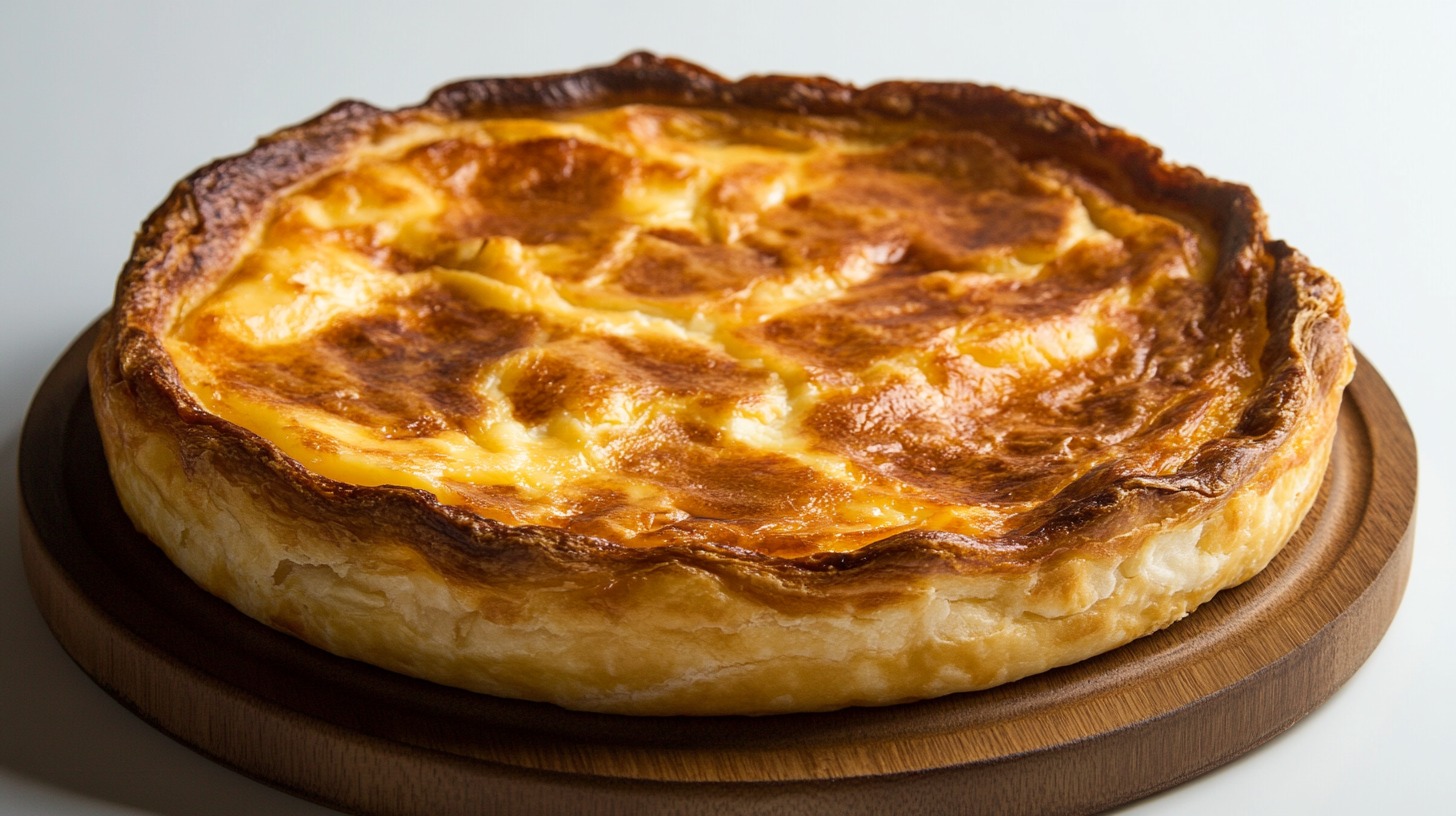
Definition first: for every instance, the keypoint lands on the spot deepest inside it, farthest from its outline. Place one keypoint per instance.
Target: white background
(1339, 115)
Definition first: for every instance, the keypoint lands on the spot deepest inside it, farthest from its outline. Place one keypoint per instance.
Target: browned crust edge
(196, 231)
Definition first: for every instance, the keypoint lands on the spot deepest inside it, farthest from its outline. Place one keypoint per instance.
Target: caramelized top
(660, 325)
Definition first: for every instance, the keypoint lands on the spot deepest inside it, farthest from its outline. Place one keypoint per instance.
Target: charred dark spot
(407, 369)
(674, 266)
(577, 374)
(551, 382)
(538, 191)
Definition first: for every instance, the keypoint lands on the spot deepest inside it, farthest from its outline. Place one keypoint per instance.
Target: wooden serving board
(1162, 710)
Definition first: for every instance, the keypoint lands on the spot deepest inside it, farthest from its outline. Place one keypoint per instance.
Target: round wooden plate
(1076, 740)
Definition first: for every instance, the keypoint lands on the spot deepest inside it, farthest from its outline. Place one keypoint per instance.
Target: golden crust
(705, 624)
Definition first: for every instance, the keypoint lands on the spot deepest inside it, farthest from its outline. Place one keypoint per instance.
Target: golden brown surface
(793, 362)
(666, 326)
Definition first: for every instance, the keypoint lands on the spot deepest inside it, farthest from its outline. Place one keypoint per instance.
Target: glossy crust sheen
(395, 577)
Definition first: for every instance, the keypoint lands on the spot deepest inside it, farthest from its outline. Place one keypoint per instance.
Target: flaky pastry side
(831, 396)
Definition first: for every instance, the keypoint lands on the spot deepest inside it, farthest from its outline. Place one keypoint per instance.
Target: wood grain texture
(1076, 740)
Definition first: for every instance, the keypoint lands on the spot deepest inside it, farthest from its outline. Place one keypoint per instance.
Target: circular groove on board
(1147, 716)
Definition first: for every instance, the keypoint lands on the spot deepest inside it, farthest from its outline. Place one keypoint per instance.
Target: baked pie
(640, 390)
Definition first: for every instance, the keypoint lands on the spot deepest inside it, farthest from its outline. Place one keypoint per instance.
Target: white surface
(1341, 117)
